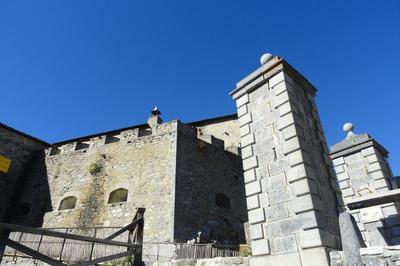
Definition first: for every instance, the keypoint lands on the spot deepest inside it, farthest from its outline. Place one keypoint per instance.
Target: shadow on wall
(31, 196)
(384, 232)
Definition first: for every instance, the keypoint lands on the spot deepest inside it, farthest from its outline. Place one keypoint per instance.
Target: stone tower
(290, 182)
(363, 171)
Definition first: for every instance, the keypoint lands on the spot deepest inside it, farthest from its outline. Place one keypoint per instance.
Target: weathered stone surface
(351, 239)
(260, 247)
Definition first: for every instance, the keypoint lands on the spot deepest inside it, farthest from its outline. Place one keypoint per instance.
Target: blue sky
(72, 68)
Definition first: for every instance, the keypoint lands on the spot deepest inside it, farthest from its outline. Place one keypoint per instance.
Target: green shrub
(245, 251)
(95, 168)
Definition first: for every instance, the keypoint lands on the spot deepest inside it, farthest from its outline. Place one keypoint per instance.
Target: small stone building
(363, 170)
(187, 176)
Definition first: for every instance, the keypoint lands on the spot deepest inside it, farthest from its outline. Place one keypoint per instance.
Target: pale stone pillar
(362, 169)
(290, 182)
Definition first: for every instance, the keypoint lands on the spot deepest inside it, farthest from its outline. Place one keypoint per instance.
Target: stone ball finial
(348, 127)
(265, 58)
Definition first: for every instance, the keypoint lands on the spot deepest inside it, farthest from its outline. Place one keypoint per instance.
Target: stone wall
(205, 172)
(225, 128)
(22, 150)
(178, 193)
(371, 256)
(145, 166)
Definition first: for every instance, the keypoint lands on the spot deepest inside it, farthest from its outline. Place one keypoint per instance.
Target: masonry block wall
(210, 195)
(21, 149)
(362, 169)
(144, 166)
(201, 189)
(290, 182)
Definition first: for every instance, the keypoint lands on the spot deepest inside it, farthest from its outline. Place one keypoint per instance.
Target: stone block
(372, 158)
(342, 176)
(260, 247)
(338, 161)
(310, 238)
(371, 214)
(290, 225)
(247, 152)
(373, 167)
(275, 181)
(288, 259)
(298, 157)
(285, 121)
(290, 146)
(377, 175)
(250, 162)
(295, 173)
(247, 140)
(368, 151)
(280, 99)
(280, 194)
(252, 202)
(304, 186)
(275, 80)
(242, 100)
(314, 257)
(242, 110)
(244, 130)
(343, 184)
(256, 216)
(245, 119)
(281, 88)
(306, 203)
(347, 192)
(249, 175)
(353, 158)
(263, 199)
(289, 132)
(276, 212)
(285, 108)
(361, 226)
(285, 244)
(256, 231)
(272, 229)
(253, 188)
(381, 183)
(389, 211)
(312, 219)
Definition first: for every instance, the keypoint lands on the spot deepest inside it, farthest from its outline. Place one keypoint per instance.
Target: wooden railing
(74, 246)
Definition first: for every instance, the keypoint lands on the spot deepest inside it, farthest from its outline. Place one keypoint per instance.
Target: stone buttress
(290, 186)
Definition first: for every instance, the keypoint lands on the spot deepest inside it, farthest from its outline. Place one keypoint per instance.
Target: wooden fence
(75, 250)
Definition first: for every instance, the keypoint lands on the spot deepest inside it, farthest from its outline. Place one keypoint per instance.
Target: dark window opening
(111, 139)
(222, 200)
(118, 195)
(67, 203)
(23, 210)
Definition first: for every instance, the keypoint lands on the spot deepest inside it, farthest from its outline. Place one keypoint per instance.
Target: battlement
(133, 135)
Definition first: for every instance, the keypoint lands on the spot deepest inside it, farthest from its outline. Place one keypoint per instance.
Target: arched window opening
(23, 209)
(118, 195)
(222, 200)
(67, 203)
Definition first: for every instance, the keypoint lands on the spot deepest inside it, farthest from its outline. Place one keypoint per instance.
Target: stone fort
(264, 176)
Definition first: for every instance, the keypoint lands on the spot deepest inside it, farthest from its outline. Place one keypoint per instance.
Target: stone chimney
(155, 118)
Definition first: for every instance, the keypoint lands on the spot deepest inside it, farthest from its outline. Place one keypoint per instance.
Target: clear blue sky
(72, 68)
